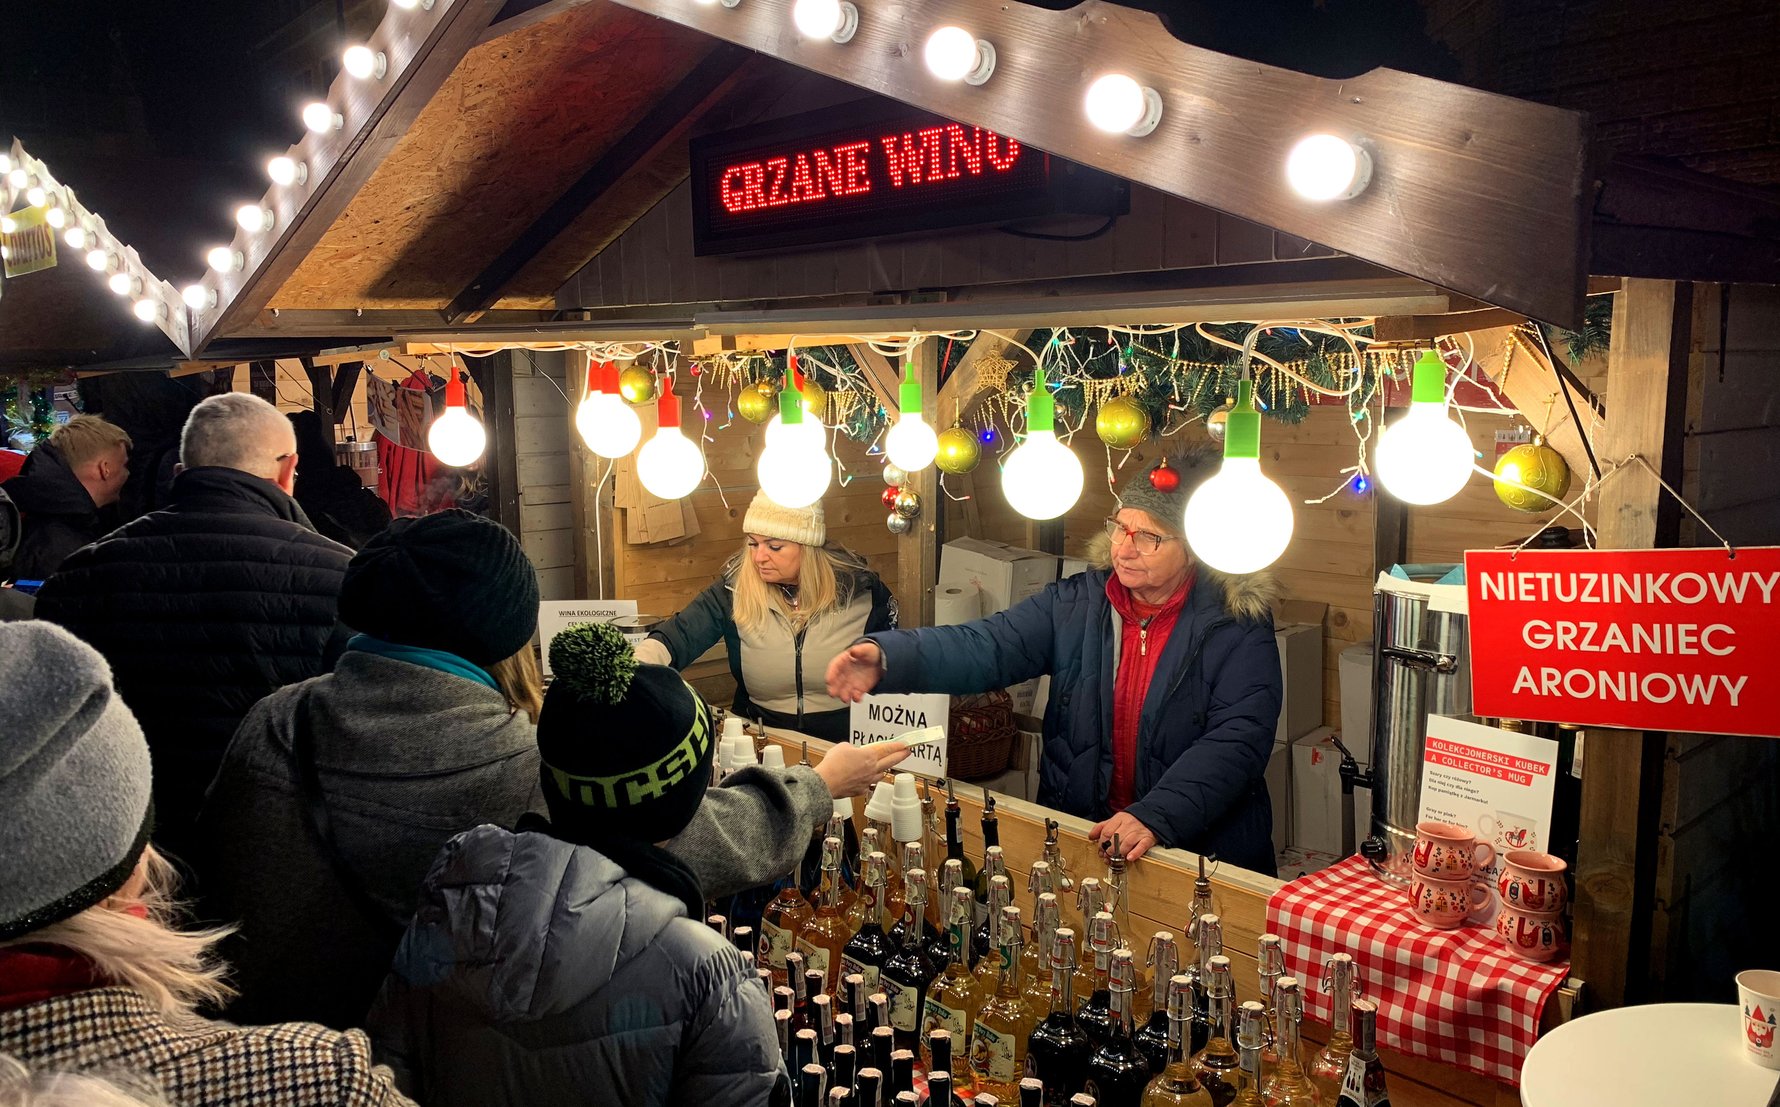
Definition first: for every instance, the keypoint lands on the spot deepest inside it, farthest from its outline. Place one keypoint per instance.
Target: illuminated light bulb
(607, 424)
(8, 224)
(5, 164)
(321, 118)
(911, 444)
(75, 237)
(669, 465)
(122, 283)
(98, 259)
(794, 468)
(365, 63)
(1118, 105)
(410, 5)
(253, 219)
(287, 171)
(1041, 479)
(197, 297)
(147, 310)
(36, 197)
(18, 178)
(1324, 167)
(456, 437)
(224, 259)
(835, 20)
(1425, 457)
(56, 217)
(954, 54)
(1239, 521)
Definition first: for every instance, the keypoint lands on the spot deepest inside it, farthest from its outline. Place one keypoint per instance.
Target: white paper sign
(1496, 782)
(879, 718)
(556, 616)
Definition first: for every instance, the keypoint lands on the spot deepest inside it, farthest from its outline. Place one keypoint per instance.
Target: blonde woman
(95, 974)
(782, 607)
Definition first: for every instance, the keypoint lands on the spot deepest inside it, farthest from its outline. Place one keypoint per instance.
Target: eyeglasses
(1146, 542)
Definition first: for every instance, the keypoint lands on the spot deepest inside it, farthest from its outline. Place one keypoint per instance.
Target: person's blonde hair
(176, 970)
(86, 438)
(818, 591)
(107, 1086)
(521, 682)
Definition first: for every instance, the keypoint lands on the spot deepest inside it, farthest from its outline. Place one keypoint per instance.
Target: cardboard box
(1070, 566)
(1003, 575)
(1021, 777)
(1319, 815)
(1298, 629)
(1279, 791)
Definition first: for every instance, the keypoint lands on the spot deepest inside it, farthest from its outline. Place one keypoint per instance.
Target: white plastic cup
(1758, 996)
(773, 757)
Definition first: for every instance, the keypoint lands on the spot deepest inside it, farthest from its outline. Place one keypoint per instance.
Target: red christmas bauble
(889, 496)
(1164, 479)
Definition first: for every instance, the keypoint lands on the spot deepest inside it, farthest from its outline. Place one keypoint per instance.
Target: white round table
(1658, 1055)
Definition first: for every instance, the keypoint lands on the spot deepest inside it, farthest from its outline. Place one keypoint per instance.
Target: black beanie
(451, 581)
(625, 747)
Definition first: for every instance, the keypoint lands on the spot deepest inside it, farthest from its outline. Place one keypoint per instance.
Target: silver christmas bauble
(1218, 421)
(897, 524)
(894, 476)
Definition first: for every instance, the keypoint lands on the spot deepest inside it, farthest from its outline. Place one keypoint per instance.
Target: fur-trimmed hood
(1248, 597)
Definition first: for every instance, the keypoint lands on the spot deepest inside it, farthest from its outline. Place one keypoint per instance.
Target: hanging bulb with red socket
(607, 424)
(456, 437)
(670, 465)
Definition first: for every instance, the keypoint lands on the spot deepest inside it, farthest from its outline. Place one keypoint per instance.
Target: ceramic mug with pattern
(1449, 851)
(1532, 881)
(1443, 904)
(1758, 993)
(1531, 935)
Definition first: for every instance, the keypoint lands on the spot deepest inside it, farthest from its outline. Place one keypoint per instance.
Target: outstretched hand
(855, 671)
(850, 770)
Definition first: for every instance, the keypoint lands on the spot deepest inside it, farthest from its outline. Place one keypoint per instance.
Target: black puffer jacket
(202, 608)
(60, 516)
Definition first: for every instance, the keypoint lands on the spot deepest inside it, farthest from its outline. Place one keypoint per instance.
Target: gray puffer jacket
(537, 971)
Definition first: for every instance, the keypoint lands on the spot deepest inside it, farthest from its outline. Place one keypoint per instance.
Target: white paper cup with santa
(1758, 994)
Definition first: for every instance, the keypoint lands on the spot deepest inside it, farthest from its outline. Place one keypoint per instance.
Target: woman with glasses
(1165, 682)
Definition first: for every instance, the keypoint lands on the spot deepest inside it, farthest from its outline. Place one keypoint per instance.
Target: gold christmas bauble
(815, 400)
(1122, 422)
(959, 451)
(636, 385)
(1537, 466)
(757, 402)
(908, 504)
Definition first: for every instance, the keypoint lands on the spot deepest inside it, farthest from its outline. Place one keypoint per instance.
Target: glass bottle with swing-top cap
(983, 943)
(1096, 1016)
(907, 972)
(1045, 921)
(1152, 1038)
(1090, 900)
(1329, 1067)
(1210, 942)
(1288, 1086)
(1270, 959)
(1250, 1030)
(1176, 1085)
(1004, 1025)
(1057, 1053)
(953, 998)
(988, 967)
(1118, 1072)
(867, 951)
(1118, 901)
(1218, 1066)
(1039, 881)
(824, 937)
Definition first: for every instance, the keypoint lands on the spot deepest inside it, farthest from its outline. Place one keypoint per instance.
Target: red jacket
(1146, 628)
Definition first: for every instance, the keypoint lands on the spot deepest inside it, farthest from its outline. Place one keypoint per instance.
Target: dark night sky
(160, 113)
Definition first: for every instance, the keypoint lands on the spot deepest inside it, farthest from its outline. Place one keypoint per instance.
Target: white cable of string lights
(1342, 331)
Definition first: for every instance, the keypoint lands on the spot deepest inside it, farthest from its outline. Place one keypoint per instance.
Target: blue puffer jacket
(1208, 721)
(537, 972)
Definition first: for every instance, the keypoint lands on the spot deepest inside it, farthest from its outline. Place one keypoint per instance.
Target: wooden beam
(423, 47)
(880, 375)
(1622, 778)
(667, 122)
(321, 394)
(345, 384)
(956, 396)
(917, 552)
(1519, 368)
(1421, 328)
(1470, 191)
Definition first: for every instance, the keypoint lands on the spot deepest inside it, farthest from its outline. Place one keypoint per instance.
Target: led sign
(871, 169)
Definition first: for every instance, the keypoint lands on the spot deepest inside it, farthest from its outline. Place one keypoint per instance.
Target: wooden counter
(1161, 886)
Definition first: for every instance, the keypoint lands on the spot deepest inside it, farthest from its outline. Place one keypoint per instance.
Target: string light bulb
(99, 259)
(669, 465)
(1117, 104)
(1239, 521)
(36, 197)
(321, 118)
(56, 217)
(1042, 478)
(149, 310)
(794, 468)
(224, 259)
(287, 171)
(254, 219)
(75, 237)
(607, 424)
(954, 54)
(911, 444)
(17, 177)
(1324, 167)
(364, 63)
(124, 284)
(198, 297)
(410, 5)
(1425, 457)
(456, 437)
(8, 225)
(835, 20)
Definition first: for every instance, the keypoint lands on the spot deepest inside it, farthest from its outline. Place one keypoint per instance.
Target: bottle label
(905, 1005)
(1363, 1086)
(775, 943)
(814, 957)
(850, 966)
(993, 1053)
(949, 1019)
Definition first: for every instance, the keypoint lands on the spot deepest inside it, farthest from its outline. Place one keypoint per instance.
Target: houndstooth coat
(209, 1064)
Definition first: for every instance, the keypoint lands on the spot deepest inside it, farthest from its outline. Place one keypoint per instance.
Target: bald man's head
(238, 430)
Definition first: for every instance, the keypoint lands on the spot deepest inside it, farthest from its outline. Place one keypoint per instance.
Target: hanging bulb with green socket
(911, 443)
(1425, 457)
(1041, 479)
(1239, 521)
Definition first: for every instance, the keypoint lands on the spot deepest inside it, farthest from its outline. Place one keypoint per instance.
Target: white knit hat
(806, 526)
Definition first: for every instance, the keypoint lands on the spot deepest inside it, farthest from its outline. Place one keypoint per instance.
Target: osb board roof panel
(521, 118)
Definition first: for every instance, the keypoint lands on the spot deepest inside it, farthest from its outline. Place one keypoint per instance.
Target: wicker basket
(980, 736)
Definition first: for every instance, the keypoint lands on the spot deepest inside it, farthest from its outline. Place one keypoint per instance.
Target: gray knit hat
(74, 780)
(1165, 497)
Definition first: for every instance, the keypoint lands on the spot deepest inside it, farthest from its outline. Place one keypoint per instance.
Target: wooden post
(1622, 778)
(917, 552)
(500, 467)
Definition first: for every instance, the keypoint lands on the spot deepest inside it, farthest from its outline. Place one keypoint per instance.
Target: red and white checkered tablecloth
(1453, 996)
